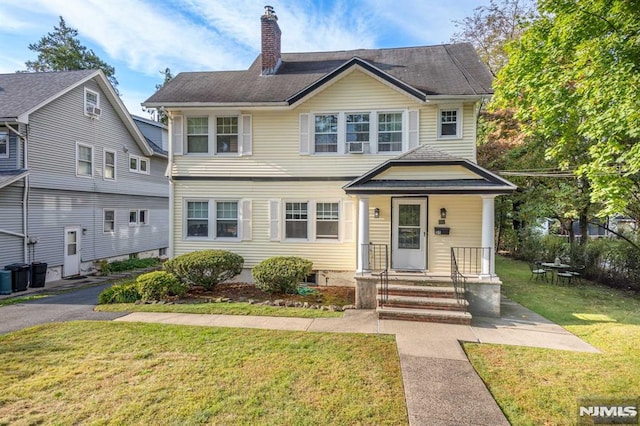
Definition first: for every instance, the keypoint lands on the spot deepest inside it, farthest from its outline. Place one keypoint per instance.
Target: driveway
(69, 306)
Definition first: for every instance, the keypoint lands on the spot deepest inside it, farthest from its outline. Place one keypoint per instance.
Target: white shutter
(274, 220)
(347, 221)
(414, 124)
(304, 134)
(176, 132)
(246, 148)
(245, 218)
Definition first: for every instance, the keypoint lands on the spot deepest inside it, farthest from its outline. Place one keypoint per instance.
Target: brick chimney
(270, 41)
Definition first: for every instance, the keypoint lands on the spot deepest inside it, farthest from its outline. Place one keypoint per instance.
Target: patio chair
(537, 271)
(564, 277)
(577, 272)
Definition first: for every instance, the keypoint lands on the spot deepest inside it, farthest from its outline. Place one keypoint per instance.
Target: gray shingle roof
(450, 69)
(20, 92)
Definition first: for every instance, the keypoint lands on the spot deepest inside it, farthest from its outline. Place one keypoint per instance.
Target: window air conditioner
(356, 147)
(93, 110)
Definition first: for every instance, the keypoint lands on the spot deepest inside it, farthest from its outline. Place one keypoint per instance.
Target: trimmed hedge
(205, 268)
(281, 274)
(159, 285)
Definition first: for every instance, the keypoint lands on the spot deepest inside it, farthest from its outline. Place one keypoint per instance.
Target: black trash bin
(38, 274)
(19, 276)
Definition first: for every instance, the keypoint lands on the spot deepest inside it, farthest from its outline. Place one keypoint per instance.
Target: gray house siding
(52, 210)
(11, 246)
(55, 131)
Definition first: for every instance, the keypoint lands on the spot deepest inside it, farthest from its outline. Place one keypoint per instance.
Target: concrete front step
(424, 315)
(439, 303)
(446, 292)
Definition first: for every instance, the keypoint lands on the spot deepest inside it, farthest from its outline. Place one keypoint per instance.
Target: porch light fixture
(443, 213)
(376, 212)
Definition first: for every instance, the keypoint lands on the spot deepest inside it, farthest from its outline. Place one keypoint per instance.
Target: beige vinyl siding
(276, 134)
(380, 228)
(426, 173)
(464, 218)
(329, 255)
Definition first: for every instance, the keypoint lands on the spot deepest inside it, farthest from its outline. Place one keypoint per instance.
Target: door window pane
(71, 243)
(409, 226)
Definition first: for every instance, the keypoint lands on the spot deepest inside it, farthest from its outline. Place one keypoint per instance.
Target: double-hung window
(327, 220)
(4, 145)
(143, 217)
(109, 165)
(84, 160)
(197, 135)
(389, 131)
(296, 220)
(197, 219)
(227, 219)
(449, 123)
(357, 132)
(326, 133)
(109, 220)
(226, 135)
(133, 217)
(91, 103)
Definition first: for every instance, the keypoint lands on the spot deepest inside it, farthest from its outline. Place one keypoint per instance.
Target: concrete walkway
(441, 387)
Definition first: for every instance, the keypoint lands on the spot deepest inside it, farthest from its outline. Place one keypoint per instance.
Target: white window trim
(373, 131)
(311, 221)
(244, 135)
(146, 217)
(104, 213)
(4, 140)
(459, 119)
(185, 220)
(238, 118)
(104, 164)
(215, 218)
(212, 219)
(85, 103)
(136, 223)
(78, 145)
(138, 161)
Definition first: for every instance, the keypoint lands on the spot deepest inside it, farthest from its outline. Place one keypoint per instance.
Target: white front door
(409, 234)
(71, 251)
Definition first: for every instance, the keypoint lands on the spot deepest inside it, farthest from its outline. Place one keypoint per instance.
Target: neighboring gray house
(79, 182)
(154, 132)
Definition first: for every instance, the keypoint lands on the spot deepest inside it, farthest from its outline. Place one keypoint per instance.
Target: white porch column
(363, 233)
(488, 260)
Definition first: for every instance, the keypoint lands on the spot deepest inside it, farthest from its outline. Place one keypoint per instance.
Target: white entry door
(409, 234)
(71, 251)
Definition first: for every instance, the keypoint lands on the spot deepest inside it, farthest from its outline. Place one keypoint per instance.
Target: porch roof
(7, 177)
(480, 181)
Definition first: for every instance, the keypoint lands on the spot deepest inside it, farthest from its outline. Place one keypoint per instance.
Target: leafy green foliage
(61, 50)
(130, 264)
(281, 274)
(159, 285)
(206, 267)
(122, 292)
(572, 78)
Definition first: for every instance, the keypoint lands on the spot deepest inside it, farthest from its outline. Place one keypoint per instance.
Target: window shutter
(274, 220)
(176, 134)
(414, 124)
(245, 217)
(304, 134)
(246, 135)
(347, 221)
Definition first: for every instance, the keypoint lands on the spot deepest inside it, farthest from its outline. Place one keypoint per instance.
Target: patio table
(558, 267)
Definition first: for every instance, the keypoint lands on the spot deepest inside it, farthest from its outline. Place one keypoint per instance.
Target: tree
(572, 78)
(491, 27)
(61, 50)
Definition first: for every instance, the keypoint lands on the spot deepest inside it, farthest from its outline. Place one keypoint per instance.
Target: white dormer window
(450, 123)
(91, 103)
(4, 145)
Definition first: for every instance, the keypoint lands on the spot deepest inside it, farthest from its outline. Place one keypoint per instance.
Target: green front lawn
(126, 373)
(539, 386)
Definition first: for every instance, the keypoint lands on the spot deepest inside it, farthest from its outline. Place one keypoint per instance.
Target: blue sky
(141, 37)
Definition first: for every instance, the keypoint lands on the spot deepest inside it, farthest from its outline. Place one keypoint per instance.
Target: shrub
(206, 268)
(122, 292)
(281, 274)
(159, 285)
(133, 263)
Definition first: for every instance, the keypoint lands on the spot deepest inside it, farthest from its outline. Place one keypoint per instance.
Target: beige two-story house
(361, 161)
